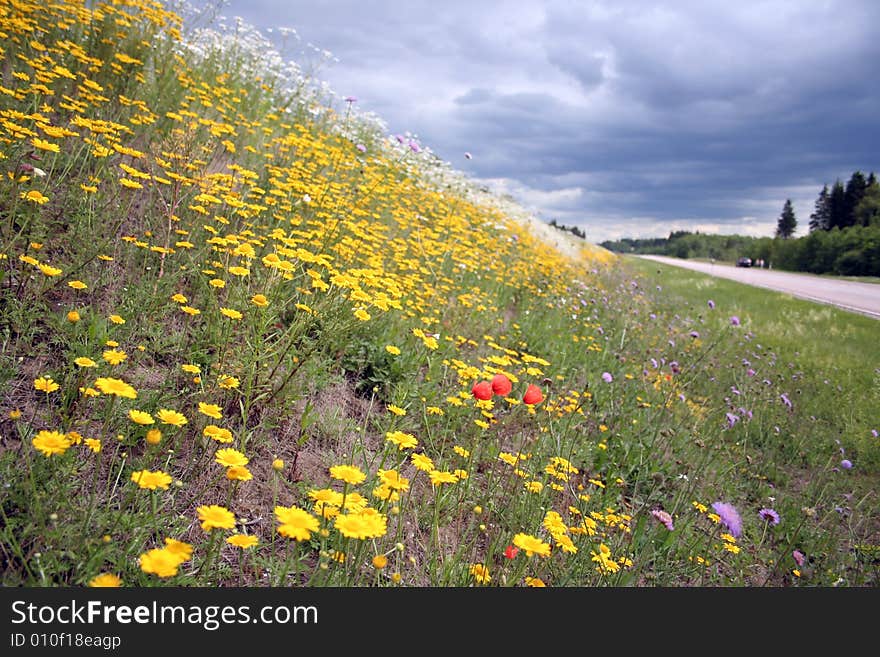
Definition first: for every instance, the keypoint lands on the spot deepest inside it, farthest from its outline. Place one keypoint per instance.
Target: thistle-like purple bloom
(769, 515)
(734, 320)
(606, 377)
(785, 399)
(361, 148)
(694, 334)
(846, 464)
(664, 518)
(350, 99)
(732, 420)
(729, 517)
(799, 557)
(711, 305)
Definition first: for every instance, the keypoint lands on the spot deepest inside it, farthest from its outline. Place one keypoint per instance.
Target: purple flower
(468, 156)
(654, 363)
(729, 517)
(361, 148)
(731, 420)
(711, 304)
(750, 372)
(413, 146)
(769, 515)
(694, 334)
(606, 377)
(734, 320)
(799, 557)
(350, 99)
(664, 518)
(874, 433)
(400, 138)
(846, 464)
(785, 399)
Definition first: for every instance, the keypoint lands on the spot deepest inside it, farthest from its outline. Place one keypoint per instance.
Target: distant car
(744, 262)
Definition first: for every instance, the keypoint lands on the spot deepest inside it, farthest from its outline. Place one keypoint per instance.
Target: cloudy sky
(626, 118)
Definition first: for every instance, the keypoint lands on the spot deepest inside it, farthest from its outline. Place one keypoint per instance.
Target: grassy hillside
(249, 339)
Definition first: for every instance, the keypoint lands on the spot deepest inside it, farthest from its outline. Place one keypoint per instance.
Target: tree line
(843, 238)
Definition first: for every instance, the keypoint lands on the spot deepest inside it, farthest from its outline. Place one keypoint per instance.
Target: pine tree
(836, 205)
(852, 196)
(821, 216)
(787, 222)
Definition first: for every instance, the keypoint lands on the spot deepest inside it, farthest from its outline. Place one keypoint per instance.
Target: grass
(243, 331)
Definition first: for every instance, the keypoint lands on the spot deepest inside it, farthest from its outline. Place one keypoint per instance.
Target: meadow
(250, 339)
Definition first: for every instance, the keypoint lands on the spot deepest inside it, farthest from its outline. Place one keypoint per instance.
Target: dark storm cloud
(623, 118)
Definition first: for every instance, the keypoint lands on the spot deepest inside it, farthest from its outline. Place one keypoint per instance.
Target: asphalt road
(850, 295)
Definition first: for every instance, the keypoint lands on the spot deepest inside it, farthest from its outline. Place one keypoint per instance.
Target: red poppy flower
(501, 385)
(511, 552)
(482, 390)
(533, 395)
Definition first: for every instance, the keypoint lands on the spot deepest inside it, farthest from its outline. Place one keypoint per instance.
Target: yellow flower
(401, 439)
(369, 523)
(153, 437)
(260, 300)
(14, 414)
(391, 349)
(180, 550)
(83, 361)
(116, 387)
(151, 480)
(105, 580)
(230, 457)
(44, 145)
(228, 382)
(461, 451)
(362, 314)
(191, 369)
(238, 473)
(34, 196)
(295, 523)
(114, 356)
(534, 486)
(535, 582)
(211, 410)
(189, 310)
(348, 473)
(215, 517)
(161, 562)
(422, 462)
(239, 271)
(243, 541)
(140, 417)
(438, 477)
(217, 282)
(397, 410)
(45, 384)
(380, 561)
(219, 434)
(230, 313)
(167, 416)
(73, 317)
(179, 298)
(51, 442)
(531, 545)
(116, 319)
(78, 285)
(393, 480)
(480, 573)
(48, 270)
(278, 465)
(93, 444)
